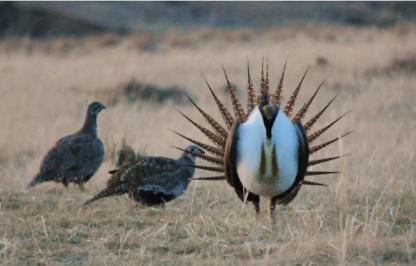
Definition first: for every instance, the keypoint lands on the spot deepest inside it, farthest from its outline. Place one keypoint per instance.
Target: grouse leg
(257, 207)
(81, 186)
(272, 207)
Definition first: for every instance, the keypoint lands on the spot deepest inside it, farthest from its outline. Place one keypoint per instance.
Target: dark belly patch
(148, 197)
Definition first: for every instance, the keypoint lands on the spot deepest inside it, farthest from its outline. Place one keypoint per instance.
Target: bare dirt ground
(366, 215)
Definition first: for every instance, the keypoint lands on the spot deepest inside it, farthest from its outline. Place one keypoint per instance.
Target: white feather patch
(285, 137)
(251, 140)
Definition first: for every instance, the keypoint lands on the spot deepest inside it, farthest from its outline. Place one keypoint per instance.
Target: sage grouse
(74, 158)
(126, 155)
(152, 180)
(265, 150)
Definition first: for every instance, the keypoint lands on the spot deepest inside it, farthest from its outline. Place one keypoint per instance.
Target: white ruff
(251, 137)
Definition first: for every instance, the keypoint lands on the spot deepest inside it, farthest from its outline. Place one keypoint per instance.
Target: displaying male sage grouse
(74, 158)
(265, 150)
(152, 180)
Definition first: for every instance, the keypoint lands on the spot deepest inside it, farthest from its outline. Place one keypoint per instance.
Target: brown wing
(230, 166)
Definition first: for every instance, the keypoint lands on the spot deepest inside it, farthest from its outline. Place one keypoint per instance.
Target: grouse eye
(96, 107)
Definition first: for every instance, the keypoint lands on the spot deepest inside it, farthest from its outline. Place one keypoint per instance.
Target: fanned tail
(251, 94)
(291, 103)
(211, 159)
(324, 160)
(214, 124)
(277, 97)
(264, 85)
(226, 115)
(313, 183)
(305, 107)
(316, 134)
(237, 106)
(308, 125)
(210, 178)
(208, 168)
(323, 145)
(217, 139)
(209, 148)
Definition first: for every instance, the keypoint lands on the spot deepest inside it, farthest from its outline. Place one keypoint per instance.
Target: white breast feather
(285, 137)
(251, 136)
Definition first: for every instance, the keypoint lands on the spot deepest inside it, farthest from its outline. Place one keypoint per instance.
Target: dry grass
(366, 216)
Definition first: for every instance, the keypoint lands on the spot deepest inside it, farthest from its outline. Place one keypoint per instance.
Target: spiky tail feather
(108, 192)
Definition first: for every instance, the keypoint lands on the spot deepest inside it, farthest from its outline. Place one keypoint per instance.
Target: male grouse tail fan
(74, 158)
(265, 150)
(152, 180)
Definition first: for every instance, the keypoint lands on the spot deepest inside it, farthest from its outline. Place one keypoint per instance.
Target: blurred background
(52, 19)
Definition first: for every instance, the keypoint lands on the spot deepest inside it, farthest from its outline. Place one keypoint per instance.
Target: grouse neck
(188, 161)
(90, 125)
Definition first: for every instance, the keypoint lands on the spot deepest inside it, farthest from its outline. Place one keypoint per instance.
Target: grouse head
(95, 108)
(90, 124)
(269, 114)
(193, 151)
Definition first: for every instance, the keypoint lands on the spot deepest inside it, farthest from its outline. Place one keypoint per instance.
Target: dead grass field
(367, 216)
